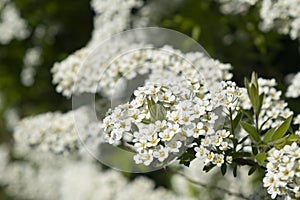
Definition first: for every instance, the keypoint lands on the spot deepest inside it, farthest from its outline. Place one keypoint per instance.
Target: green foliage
(251, 130)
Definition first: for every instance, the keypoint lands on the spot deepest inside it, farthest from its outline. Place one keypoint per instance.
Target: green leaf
(208, 167)
(236, 120)
(254, 149)
(146, 121)
(260, 102)
(223, 169)
(253, 97)
(293, 138)
(187, 157)
(234, 171)
(282, 129)
(158, 112)
(254, 80)
(248, 114)
(251, 130)
(243, 139)
(252, 170)
(268, 135)
(261, 158)
(134, 127)
(247, 85)
(150, 103)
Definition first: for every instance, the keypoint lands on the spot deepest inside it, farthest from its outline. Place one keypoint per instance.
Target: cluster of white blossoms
(11, 24)
(274, 110)
(111, 17)
(160, 120)
(215, 144)
(293, 90)
(282, 15)
(165, 117)
(75, 74)
(157, 60)
(153, 11)
(55, 132)
(48, 176)
(31, 60)
(283, 172)
(236, 6)
(100, 76)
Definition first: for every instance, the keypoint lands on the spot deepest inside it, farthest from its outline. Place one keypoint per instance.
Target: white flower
(161, 154)
(174, 146)
(293, 90)
(282, 170)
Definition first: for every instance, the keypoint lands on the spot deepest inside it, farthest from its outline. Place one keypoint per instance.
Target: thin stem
(209, 186)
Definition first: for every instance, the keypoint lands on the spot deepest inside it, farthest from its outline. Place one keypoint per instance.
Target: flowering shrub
(188, 116)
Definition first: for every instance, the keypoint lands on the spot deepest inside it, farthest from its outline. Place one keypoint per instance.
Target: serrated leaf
(282, 129)
(261, 158)
(158, 112)
(268, 135)
(251, 130)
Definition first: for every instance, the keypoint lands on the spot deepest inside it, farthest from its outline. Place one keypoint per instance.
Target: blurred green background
(235, 39)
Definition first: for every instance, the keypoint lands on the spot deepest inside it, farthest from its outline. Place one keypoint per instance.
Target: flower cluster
(284, 14)
(161, 120)
(165, 117)
(73, 78)
(11, 24)
(54, 132)
(48, 176)
(293, 90)
(283, 172)
(234, 7)
(273, 110)
(97, 76)
(215, 144)
(111, 17)
(153, 11)
(158, 60)
(31, 60)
